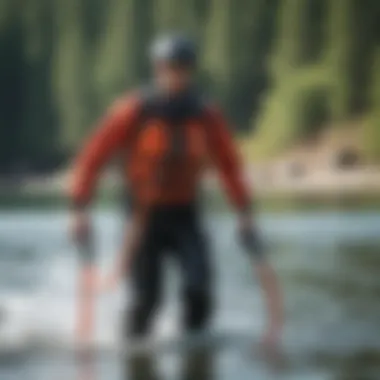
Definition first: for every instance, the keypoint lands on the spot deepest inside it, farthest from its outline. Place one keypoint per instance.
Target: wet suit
(165, 143)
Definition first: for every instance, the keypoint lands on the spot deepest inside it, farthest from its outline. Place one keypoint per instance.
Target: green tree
(71, 72)
(372, 125)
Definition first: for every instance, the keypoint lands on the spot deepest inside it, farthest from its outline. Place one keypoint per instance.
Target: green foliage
(282, 67)
(173, 15)
(319, 83)
(71, 72)
(339, 49)
(294, 110)
(372, 125)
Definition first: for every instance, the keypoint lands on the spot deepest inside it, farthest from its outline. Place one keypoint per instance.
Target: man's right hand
(79, 226)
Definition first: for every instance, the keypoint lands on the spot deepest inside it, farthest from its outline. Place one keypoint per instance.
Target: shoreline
(267, 181)
(273, 190)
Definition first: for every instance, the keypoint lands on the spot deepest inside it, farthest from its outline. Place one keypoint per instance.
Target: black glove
(252, 242)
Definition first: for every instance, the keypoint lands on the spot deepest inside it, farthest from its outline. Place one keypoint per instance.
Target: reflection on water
(140, 368)
(197, 364)
(328, 262)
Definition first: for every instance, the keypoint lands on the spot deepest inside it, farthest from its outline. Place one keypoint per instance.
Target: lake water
(328, 262)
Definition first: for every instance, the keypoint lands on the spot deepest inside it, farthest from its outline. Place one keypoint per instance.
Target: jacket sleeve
(112, 133)
(226, 158)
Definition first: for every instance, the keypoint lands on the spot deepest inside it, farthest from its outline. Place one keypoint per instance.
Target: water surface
(327, 259)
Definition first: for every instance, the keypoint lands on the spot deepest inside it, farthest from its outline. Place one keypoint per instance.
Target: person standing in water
(165, 134)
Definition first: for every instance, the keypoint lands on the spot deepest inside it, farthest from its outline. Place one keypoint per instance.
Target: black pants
(176, 230)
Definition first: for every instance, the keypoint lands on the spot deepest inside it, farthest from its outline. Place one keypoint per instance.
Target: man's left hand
(249, 236)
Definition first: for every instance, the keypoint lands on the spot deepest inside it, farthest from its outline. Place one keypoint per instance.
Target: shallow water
(328, 262)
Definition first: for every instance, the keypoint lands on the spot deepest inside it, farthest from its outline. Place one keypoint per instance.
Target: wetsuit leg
(194, 259)
(146, 280)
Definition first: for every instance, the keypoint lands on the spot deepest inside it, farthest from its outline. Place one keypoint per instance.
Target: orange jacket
(153, 175)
